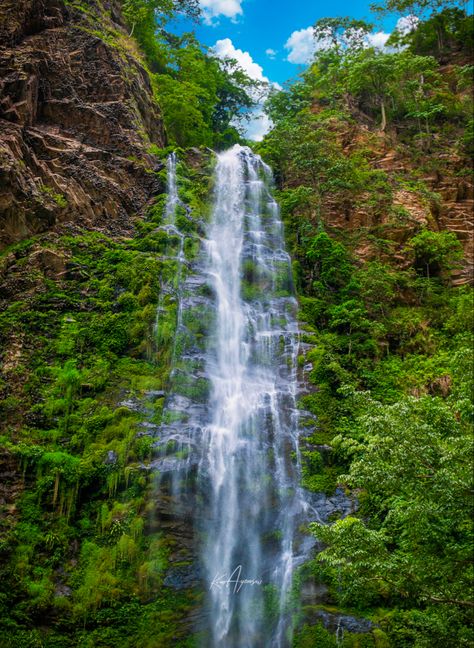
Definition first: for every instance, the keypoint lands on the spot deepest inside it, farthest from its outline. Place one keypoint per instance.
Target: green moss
(324, 482)
(58, 198)
(93, 339)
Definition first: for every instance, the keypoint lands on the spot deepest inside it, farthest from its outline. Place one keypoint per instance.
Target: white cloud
(271, 53)
(225, 49)
(377, 40)
(258, 125)
(301, 46)
(406, 24)
(212, 9)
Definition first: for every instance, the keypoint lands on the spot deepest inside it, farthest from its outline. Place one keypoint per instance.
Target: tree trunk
(56, 488)
(439, 38)
(383, 125)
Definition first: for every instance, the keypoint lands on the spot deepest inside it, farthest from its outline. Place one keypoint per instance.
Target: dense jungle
(158, 269)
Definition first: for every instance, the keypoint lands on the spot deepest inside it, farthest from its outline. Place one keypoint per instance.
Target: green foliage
(144, 16)
(332, 269)
(412, 460)
(310, 636)
(403, 90)
(435, 252)
(202, 98)
(418, 8)
(392, 340)
(342, 32)
(81, 566)
(58, 198)
(444, 33)
(316, 635)
(82, 555)
(393, 403)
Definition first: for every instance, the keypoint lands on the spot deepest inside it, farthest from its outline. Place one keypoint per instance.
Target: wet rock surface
(183, 577)
(330, 507)
(338, 623)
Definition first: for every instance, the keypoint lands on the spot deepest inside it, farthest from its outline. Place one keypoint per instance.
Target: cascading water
(172, 199)
(169, 226)
(228, 446)
(250, 451)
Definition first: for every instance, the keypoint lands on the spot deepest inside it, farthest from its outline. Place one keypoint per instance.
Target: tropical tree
(370, 77)
(411, 461)
(203, 99)
(342, 32)
(419, 8)
(435, 252)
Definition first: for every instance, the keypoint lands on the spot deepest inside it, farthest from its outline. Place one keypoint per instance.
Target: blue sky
(272, 39)
(255, 26)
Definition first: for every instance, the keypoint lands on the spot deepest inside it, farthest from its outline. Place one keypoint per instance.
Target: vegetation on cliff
(202, 100)
(370, 150)
(86, 365)
(363, 137)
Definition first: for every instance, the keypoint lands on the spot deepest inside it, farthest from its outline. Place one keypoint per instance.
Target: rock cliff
(77, 118)
(443, 198)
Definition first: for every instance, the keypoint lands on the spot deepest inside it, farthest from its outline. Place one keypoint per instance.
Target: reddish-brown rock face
(77, 116)
(452, 210)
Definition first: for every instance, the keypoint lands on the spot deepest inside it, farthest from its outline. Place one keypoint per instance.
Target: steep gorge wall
(442, 199)
(78, 120)
(77, 117)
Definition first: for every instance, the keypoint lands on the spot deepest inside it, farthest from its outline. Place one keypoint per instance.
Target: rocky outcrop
(451, 210)
(442, 200)
(455, 213)
(77, 117)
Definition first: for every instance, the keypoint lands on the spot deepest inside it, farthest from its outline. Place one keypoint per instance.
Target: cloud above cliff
(214, 9)
(258, 122)
(302, 45)
(225, 49)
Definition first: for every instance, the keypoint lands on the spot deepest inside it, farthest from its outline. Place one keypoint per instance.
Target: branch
(453, 601)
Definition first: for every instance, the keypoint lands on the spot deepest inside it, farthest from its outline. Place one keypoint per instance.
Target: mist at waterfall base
(238, 457)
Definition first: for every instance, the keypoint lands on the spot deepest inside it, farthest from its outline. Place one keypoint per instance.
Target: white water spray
(248, 467)
(227, 452)
(172, 198)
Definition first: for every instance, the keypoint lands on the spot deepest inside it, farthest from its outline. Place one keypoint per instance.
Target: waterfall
(250, 453)
(228, 446)
(172, 200)
(169, 226)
